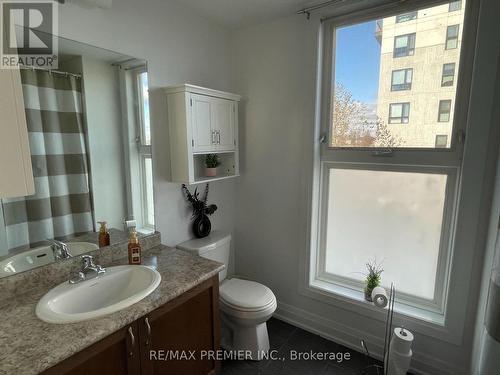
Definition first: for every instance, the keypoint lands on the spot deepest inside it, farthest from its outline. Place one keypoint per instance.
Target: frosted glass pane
(395, 217)
(149, 191)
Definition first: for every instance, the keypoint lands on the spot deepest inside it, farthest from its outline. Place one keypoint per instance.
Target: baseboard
(422, 364)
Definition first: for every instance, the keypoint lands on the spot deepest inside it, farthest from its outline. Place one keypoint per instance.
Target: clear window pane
(365, 56)
(396, 220)
(144, 98)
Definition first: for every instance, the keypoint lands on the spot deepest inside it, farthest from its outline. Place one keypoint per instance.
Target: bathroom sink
(116, 289)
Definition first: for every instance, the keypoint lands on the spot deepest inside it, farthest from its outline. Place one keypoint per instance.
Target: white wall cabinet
(16, 179)
(201, 121)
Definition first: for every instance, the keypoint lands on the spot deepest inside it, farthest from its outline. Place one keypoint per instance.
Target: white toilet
(245, 305)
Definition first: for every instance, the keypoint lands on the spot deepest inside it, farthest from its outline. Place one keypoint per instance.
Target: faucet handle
(87, 261)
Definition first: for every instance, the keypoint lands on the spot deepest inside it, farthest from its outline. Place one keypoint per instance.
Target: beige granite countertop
(29, 345)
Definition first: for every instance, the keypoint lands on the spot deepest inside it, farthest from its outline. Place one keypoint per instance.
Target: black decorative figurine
(201, 223)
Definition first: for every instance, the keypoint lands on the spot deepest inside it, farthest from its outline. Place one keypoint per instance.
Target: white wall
(179, 47)
(274, 68)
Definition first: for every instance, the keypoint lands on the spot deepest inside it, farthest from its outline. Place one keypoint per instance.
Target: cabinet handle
(132, 340)
(213, 137)
(218, 137)
(148, 327)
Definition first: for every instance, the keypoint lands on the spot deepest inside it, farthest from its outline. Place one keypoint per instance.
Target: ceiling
(234, 14)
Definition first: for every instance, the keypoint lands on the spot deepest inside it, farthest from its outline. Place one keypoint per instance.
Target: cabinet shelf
(201, 121)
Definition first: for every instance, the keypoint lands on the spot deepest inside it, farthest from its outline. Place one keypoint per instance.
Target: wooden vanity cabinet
(188, 323)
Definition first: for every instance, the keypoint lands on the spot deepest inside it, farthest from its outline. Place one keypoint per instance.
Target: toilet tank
(215, 246)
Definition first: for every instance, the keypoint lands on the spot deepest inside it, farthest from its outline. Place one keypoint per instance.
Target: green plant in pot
(372, 278)
(211, 162)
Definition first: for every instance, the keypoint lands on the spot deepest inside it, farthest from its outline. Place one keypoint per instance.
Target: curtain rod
(307, 11)
(51, 71)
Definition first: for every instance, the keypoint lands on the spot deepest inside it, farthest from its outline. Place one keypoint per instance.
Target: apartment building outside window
(404, 45)
(444, 110)
(452, 36)
(448, 76)
(406, 17)
(401, 79)
(399, 113)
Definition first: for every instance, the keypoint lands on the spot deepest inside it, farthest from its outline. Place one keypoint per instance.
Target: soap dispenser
(103, 235)
(134, 248)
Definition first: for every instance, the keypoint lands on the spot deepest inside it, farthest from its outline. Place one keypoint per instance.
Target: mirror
(90, 143)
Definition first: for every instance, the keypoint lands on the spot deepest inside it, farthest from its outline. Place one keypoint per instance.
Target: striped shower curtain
(61, 206)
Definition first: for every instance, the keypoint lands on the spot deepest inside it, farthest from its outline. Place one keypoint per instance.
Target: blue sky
(358, 68)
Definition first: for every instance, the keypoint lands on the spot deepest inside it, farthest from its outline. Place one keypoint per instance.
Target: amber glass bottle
(134, 249)
(103, 235)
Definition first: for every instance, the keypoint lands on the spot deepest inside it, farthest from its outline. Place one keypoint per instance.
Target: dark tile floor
(284, 339)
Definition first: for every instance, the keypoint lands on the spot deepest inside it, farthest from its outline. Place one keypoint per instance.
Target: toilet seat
(246, 296)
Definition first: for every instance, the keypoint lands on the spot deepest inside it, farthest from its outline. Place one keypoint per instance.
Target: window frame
(446, 140)
(451, 5)
(406, 85)
(402, 117)
(409, 51)
(451, 39)
(437, 326)
(144, 150)
(413, 16)
(440, 110)
(452, 75)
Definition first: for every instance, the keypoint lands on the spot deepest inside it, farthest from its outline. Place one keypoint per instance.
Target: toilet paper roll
(401, 341)
(379, 297)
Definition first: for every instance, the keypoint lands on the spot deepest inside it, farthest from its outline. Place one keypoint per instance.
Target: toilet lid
(244, 294)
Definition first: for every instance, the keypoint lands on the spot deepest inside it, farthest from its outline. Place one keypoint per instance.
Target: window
(441, 141)
(144, 150)
(448, 75)
(406, 17)
(385, 189)
(455, 5)
(444, 110)
(401, 79)
(399, 113)
(404, 45)
(452, 37)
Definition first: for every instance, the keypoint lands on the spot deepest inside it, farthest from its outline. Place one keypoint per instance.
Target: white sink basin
(116, 289)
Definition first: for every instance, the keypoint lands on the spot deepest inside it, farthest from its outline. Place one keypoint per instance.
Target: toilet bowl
(245, 306)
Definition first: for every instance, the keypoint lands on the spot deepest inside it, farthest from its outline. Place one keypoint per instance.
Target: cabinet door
(188, 324)
(201, 115)
(117, 354)
(224, 112)
(15, 159)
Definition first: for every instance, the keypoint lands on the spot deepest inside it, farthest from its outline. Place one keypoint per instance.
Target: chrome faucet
(89, 270)
(60, 249)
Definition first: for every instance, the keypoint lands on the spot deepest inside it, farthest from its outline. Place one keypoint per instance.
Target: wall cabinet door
(224, 115)
(15, 159)
(189, 324)
(201, 115)
(117, 354)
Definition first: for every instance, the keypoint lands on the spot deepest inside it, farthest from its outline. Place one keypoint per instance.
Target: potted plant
(211, 162)
(372, 278)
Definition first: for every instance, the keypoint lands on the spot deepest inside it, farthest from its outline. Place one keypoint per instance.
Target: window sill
(354, 300)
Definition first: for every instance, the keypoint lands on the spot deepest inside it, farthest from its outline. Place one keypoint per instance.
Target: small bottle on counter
(103, 235)
(134, 249)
